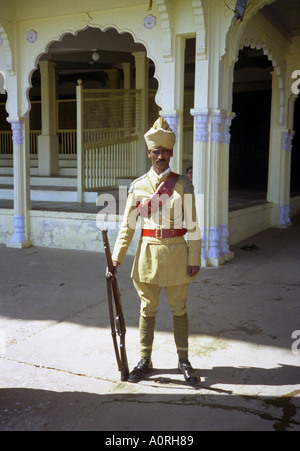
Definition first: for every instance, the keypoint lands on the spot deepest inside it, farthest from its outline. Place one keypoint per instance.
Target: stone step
(63, 171)
(36, 180)
(49, 194)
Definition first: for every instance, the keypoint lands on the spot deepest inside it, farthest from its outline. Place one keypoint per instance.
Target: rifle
(117, 321)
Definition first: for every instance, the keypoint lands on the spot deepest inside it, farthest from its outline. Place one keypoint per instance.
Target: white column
(279, 163)
(20, 137)
(284, 206)
(79, 140)
(226, 120)
(142, 84)
(210, 179)
(127, 98)
(48, 140)
(200, 178)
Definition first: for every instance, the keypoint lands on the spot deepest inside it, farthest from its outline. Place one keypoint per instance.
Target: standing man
(165, 202)
(189, 173)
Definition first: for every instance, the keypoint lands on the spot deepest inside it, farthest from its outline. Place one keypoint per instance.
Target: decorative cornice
(163, 7)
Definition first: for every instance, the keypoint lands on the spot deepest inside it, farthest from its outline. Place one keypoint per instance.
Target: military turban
(160, 134)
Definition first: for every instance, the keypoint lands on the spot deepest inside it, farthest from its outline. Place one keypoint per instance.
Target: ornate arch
(271, 57)
(78, 28)
(238, 37)
(238, 27)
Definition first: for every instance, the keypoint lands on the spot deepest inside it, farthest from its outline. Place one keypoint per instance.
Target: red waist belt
(163, 233)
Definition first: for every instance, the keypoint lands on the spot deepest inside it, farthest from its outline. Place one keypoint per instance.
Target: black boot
(138, 372)
(190, 375)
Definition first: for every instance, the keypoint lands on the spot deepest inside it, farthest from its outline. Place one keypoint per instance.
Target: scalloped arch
(251, 10)
(75, 32)
(268, 52)
(236, 42)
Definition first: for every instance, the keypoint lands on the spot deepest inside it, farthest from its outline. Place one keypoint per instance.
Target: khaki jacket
(161, 261)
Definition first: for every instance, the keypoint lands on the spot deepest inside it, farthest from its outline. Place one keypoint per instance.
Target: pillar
(113, 78)
(226, 120)
(48, 141)
(211, 175)
(200, 179)
(142, 84)
(173, 100)
(79, 140)
(20, 138)
(286, 150)
(279, 163)
(127, 99)
(212, 121)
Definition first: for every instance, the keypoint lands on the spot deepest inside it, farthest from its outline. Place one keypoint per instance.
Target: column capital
(140, 55)
(17, 131)
(201, 121)
(172, 117)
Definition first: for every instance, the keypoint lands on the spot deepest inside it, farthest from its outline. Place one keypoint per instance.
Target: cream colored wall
(82, 232)
(247, 222)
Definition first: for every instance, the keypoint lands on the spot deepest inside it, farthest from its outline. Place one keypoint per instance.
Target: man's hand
(115, 266)
(192, 270)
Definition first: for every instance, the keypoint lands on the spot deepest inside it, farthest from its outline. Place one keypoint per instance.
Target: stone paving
(58, 370)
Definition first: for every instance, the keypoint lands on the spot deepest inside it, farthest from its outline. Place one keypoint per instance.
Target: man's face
(160, 157)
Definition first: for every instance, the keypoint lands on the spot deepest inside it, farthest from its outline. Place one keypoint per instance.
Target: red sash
(152, 204)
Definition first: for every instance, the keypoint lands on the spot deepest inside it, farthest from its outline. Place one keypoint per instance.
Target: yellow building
(80, 83)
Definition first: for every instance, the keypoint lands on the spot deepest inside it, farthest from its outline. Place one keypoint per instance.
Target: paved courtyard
(58, 369)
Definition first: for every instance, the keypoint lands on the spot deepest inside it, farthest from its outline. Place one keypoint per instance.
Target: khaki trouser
(177, 296)
(149, 296)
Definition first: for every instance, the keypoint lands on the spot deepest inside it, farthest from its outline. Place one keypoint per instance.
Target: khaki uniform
(161, 261)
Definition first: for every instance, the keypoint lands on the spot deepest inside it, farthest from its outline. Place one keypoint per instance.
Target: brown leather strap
(163, 233)
(167, 186)
(152, 204)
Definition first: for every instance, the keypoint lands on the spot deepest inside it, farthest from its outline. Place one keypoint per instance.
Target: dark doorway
(249, 147)
(295, 163)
